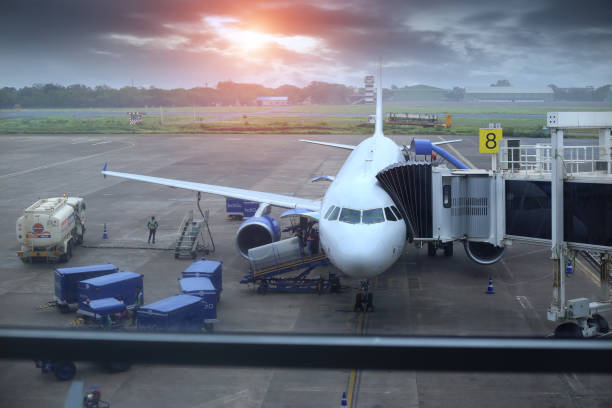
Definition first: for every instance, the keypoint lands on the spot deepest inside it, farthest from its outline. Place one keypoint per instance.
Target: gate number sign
(489, 140)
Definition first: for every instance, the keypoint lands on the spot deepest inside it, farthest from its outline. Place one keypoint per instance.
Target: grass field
(285, 120)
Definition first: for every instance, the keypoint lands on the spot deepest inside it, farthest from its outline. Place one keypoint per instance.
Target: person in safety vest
(152, 229)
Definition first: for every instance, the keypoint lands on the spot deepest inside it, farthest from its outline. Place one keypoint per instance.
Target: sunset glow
(300, 41)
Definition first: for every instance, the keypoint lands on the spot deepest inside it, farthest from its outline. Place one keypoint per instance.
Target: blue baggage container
(212, 270)
(67, 280)
(100, 308)
(250, 208)
(202, 288)
(117, 285)
(179, 312)
(234, 206)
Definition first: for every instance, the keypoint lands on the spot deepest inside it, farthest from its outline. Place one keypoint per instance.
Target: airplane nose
(360, 261)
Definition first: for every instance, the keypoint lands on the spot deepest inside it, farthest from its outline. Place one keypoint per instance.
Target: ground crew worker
(138, 303)
(152, 229)
(310, 238)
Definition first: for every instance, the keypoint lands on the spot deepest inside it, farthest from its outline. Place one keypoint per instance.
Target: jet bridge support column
(556, 310)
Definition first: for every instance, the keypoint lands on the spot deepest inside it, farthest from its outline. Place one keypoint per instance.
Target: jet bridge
(551, 194)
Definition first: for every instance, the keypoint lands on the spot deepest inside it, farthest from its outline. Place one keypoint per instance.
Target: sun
(248, 40)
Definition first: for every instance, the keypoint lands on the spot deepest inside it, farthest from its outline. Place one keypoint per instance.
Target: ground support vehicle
(93, 398)
(273, 267)
(238, 209)
(178, 312)
(50, 228)
(120, 285)
(212, 270)
(108, 313)
(202, 288)
(66, 284)
(190, 236)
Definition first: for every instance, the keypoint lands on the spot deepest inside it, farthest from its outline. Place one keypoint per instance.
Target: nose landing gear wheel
(358, 303)
(364, 299)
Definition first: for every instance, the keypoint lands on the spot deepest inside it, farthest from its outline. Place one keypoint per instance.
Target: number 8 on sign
(489, 140)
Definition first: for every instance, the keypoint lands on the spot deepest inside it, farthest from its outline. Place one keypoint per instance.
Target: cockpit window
(373, 216)
(334, 214)
(397, 213)
(329, 212)
(350, 216)
(389, 214)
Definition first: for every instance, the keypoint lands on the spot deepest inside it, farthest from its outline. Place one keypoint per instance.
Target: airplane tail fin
(378, 129)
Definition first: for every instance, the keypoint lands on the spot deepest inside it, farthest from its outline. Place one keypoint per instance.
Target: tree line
(226, 93)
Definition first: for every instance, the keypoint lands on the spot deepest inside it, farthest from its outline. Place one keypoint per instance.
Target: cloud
(177, 43)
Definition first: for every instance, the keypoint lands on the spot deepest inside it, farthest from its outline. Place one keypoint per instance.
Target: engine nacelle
(483, 252)
(256, 231)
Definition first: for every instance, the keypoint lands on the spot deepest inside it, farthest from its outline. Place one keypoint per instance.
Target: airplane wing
(341, 146)
(279, 200)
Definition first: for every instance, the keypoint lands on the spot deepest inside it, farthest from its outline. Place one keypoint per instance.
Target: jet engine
(256, 231)
(483, 252)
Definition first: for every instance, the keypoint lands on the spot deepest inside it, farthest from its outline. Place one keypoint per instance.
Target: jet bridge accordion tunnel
(440, 207)
(484, 209)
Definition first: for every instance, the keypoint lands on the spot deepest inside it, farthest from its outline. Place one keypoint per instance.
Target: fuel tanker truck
(50, 228)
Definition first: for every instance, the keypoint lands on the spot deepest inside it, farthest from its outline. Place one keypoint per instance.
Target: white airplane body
(361, 230)
(363, 250)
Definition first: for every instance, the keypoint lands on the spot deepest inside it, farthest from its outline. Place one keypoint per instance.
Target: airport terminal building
(508, 94)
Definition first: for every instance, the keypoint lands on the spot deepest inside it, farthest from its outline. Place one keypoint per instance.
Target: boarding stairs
(189, 239)
(271, 265)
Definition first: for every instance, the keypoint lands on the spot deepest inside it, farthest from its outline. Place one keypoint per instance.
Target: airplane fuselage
(361, 238)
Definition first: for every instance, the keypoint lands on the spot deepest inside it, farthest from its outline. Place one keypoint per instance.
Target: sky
(184, 44)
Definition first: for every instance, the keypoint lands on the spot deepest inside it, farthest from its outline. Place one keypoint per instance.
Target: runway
(420, 295)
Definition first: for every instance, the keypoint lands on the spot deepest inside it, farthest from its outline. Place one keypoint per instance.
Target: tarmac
(420, 295)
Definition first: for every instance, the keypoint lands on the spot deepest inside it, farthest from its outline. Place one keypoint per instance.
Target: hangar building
(508, 94)
(272, 100)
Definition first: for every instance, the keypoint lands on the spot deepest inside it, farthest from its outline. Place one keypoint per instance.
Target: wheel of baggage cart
(431, 249)
(209, 327)
(64, 308)
(64, 370)
(448, 249)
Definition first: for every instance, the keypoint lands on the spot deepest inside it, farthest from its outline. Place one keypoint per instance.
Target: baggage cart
(204, 289)
(120, 285)
(212, 270)
(67, 280)
(176, 313)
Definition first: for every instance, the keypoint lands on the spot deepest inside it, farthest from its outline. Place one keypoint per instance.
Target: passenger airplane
(361, 230)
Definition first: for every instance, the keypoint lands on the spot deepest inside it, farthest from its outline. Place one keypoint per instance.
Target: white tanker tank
(50, 228)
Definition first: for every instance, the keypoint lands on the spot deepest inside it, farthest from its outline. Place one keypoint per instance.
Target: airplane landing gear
(364, 298)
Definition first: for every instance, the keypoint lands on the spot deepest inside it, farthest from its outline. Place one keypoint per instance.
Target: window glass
(350, 216)
(334, 214)
(389, 214)
(331, 208)
(397, 213)
(373, 216)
